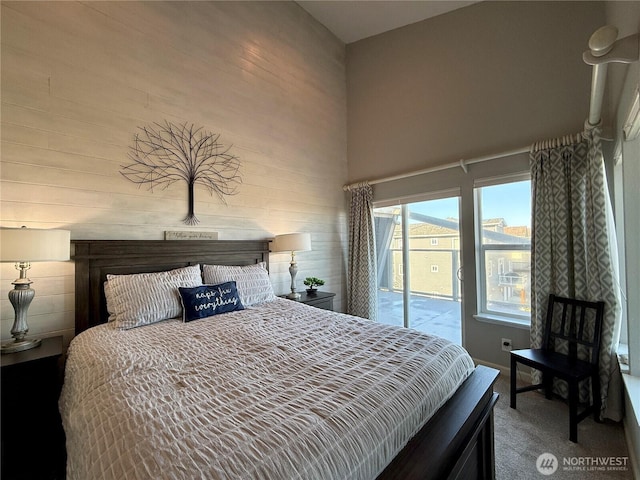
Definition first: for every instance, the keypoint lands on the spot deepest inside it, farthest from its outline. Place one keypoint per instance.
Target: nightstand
(322, 300)
(32, 436)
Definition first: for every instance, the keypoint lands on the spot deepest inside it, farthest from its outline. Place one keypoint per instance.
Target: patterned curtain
(361, 288)
(572, 252)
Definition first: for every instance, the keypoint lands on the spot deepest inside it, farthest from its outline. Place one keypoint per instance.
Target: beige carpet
(541, 426)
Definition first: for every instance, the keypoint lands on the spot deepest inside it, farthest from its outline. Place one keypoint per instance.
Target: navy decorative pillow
(207, 300)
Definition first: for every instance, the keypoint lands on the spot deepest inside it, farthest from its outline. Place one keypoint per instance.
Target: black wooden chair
(571, 327)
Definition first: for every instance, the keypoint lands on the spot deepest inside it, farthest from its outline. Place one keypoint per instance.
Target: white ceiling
(353, 20)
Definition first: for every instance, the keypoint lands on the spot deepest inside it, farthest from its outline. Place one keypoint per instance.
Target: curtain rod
(462, 164)
(603, 50)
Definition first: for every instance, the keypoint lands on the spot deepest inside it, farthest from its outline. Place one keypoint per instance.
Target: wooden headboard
(94, 259)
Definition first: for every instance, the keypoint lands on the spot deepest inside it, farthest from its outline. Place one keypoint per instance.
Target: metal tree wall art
(166, 153)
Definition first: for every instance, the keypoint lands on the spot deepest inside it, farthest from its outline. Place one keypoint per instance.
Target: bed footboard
(457, 443)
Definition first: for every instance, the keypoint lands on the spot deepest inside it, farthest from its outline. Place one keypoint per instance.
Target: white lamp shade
(292, 242)
(34, 245)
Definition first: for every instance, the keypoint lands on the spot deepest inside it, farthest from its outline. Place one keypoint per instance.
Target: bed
(276, 390)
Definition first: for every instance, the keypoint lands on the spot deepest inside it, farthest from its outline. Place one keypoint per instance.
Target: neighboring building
(434, 259)
(494, 224)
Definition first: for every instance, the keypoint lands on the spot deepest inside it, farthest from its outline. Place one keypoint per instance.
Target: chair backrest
(578, 322)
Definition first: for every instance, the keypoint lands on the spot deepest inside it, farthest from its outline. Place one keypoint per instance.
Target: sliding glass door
(418, 248)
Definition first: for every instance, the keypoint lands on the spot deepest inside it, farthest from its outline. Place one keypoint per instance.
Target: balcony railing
(512, 280)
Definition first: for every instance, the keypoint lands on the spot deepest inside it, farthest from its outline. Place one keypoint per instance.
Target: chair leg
(547, 381)
(513, 381)
(573, 412)
(595, 392)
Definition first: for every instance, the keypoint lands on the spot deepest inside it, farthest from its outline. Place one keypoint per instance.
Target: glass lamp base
(294, 296)
(20, 345)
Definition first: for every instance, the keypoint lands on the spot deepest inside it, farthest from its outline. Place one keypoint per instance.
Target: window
(504, 242)
(418, 284)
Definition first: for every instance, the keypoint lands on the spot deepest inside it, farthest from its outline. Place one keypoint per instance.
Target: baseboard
(503, 370)
(524, 376)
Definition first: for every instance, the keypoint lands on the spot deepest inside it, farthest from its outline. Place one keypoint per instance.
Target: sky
(497, 201)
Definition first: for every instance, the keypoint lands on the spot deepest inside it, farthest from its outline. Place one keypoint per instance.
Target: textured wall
(78, 79)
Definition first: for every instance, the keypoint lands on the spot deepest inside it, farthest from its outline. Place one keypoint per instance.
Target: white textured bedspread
(279, 391)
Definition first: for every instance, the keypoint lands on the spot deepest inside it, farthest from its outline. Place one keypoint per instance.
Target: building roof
(437, 226)
(494, 221)
(520, 231)
(417, 229)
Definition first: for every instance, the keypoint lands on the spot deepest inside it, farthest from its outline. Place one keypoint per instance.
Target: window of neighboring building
(434, 268)
(504, 239)
(434, 241)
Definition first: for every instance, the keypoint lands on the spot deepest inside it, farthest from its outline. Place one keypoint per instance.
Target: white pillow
(252, 281)
(144, 298)
(109, 297)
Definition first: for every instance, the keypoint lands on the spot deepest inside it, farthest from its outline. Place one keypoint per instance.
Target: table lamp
(23, 246)
(293, 242)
